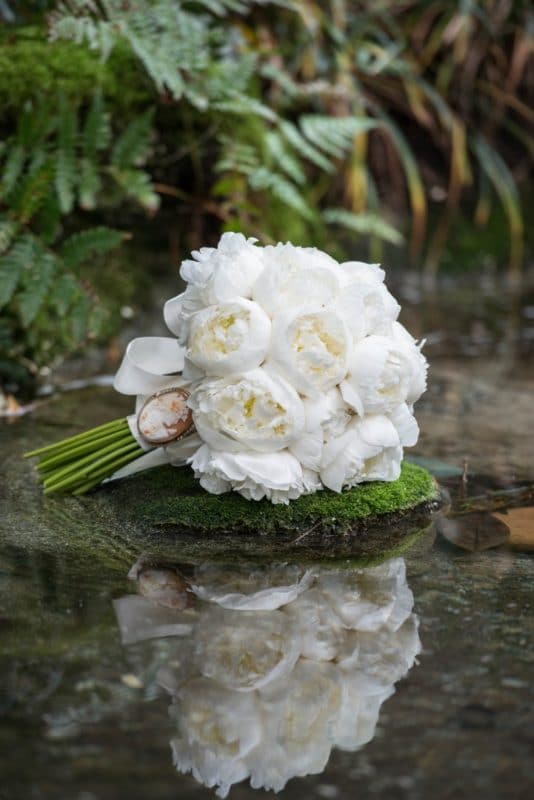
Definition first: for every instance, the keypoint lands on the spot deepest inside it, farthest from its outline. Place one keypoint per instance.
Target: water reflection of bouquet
(279, 668)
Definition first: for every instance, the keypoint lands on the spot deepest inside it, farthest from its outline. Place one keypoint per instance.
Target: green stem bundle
(79, 463)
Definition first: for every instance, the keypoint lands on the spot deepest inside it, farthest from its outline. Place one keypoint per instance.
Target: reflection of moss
(173, 497)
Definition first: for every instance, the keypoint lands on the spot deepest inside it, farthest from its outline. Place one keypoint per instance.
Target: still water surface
(125, 665)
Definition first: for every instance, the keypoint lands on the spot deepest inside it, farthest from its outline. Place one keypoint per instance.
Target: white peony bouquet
(271, 668)
(289, 373)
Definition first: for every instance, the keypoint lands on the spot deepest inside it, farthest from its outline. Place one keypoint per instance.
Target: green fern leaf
(283, 159)
(137, 185)
(96, 241)
(49, 217)
(32, 191)
(8, 231)
(66, 169)
(64, 292)
(79, 318)
(13, 265)
(244, 106)
(303, 147)
(284, 190)
(367, 224)
(96, 132)
(334, 135)
(89, 184)
(132, 146)
(36, 283)
(13, 167)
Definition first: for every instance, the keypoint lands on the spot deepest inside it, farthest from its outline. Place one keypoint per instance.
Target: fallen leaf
(474, 532)
(520, 522)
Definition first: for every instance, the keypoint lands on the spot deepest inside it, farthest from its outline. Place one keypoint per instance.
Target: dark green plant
(374, 104)
(317, 122)
(60, 158)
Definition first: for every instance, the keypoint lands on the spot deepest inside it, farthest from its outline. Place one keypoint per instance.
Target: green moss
(31, 67)
(173, 497)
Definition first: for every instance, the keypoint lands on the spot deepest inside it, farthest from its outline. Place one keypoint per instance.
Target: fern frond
(303, 147)
(8, 230)
(13, 169)
(367, 224)
(13, 265)
(89, 184)
(334, 135)
(96, 133)
(35, 285)
(138, 186)
(96, 241)
(264, 179)
(65, 161)
(79, 315)
(243, 105)
(283, 158)
(31, 192)
(64, 292)
(131, 148)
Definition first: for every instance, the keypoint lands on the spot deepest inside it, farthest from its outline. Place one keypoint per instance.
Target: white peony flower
(356, 723)
(296, 276)
(252, 590)
(217, 730)
(255, 411)
(383, 373)
(377, 659)
(418, 363)
(366, 599)
(277, 476)
(320, 628)
(363, 288)
(248, 653)
(224, 272)
(368, 450)
(311, 347)
(228, 338)
(300, 715)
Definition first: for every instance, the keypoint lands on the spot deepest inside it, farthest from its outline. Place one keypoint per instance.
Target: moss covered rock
(169, 506)
(174, 497)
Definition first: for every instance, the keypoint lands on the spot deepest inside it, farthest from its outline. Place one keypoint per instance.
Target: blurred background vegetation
(135, 127)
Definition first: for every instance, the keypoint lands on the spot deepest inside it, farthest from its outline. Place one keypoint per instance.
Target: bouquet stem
(79, 463)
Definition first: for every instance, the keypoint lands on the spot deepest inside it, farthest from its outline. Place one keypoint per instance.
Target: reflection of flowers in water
(281, 665)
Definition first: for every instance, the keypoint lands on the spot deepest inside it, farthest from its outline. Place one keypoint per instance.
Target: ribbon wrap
(150, 365)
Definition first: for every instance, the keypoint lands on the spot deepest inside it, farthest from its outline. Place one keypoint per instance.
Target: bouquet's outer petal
(150, 364)
(405, 424)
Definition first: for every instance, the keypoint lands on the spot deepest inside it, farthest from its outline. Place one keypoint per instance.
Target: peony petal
(405, 424)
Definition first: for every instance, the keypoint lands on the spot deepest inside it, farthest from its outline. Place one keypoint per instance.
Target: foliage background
(359, 127)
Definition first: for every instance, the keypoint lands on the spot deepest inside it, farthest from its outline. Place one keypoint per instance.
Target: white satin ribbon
(151, 364)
